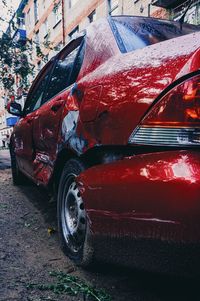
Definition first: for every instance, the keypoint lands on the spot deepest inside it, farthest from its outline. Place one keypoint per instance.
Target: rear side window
(133, 33)
(67, 68)
(35, 96)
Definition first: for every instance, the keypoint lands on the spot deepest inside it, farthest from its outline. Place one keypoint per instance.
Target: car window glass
(34, 99)
(136, 32)
(130, 39)
(77, 65)
(62, 76)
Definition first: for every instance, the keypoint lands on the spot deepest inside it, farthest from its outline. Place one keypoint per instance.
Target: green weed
(73, 286)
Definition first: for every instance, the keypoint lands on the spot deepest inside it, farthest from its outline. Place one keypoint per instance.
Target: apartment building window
(39, 66)
(20, 22)
(36, 10)
(113, 7)
(46, 28)
(46, 58)
(57, 12)
(58, 47)
(74, 32)
(28, 18)
(37, 42)
(72, 3)
(37, 39)
(92, 16)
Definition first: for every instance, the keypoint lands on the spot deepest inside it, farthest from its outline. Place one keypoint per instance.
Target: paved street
(4, 159)
(29, 250)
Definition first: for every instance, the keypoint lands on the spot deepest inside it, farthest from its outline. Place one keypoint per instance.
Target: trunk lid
(131, 82)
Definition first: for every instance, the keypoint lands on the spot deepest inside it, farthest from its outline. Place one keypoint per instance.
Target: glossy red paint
(46, 129)
(116, 91)
(23, 142)
(100, 47)
(191, 65)
(147, 195)
(131, 83)
(155, 195)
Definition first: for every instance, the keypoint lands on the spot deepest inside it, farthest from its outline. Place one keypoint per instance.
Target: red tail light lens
(175, 119)
(180, 106)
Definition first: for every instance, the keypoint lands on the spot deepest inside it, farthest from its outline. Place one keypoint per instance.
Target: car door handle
(55, 107)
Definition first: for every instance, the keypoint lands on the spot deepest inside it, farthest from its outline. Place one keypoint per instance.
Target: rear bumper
(151, 196)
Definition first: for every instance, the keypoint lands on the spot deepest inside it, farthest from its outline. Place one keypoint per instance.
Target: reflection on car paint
(156, 188)
(69, 125)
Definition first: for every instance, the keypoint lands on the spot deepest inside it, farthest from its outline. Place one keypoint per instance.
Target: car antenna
(182, 18)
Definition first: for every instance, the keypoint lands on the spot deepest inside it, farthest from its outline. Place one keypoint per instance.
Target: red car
(112, 125)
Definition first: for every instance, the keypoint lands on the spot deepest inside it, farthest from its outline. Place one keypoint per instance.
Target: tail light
(174, 119)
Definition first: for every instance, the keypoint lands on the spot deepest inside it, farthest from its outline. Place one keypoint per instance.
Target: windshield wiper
(182, 18)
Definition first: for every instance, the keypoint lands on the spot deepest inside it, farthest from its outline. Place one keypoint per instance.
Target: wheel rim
(73, 216)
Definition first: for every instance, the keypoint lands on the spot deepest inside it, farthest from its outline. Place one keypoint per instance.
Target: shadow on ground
(122, 283)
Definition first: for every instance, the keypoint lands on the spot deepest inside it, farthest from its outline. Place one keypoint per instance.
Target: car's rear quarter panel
(156, 195)
(131, 82)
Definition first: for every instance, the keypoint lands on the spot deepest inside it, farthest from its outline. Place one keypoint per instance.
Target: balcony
(20, 37)
(11, 121)
(168, 4)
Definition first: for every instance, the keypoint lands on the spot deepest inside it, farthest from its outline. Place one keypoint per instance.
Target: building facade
(44, 23)
(175, 8)
(5, 131)
(16, 30)
(53, 23)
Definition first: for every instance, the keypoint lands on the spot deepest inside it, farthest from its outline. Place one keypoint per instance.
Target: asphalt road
(29, 250)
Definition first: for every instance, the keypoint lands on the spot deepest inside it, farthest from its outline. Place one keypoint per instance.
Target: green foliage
(16, 58)
(13, 63)
(73, 286)
(39, 52)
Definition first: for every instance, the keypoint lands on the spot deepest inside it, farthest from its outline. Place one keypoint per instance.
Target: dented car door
(23, 132)
(47, 124)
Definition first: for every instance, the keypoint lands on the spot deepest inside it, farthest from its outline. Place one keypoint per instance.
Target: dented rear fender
(156, 195)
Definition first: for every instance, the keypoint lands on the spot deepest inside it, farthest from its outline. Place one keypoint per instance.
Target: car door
(46, 127)
(23, 131)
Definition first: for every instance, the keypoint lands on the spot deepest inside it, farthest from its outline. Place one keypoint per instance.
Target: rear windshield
(133, 33)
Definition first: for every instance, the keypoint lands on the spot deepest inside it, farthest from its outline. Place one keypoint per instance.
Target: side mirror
(14, 108)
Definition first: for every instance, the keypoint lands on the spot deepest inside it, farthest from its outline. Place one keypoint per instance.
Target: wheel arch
(94, 156)
(63, 156)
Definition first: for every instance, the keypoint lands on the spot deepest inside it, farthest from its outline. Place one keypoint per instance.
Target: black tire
(17, 176)
(73, 225)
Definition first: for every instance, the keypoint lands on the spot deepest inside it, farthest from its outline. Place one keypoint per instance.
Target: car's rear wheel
(17, 176)
(73, 224)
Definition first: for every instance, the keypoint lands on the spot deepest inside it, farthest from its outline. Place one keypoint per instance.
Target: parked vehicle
(112, 125)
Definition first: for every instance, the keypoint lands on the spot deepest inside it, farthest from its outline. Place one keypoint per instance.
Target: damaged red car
(112, 125)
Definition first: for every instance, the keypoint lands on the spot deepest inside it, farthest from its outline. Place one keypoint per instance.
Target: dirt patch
(29, 253)
(29, 246)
